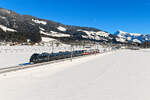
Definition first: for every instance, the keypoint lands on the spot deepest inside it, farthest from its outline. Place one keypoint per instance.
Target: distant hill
(15, 27)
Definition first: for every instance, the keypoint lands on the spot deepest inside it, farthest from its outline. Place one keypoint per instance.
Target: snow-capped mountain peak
(120, 32)
(133, 37)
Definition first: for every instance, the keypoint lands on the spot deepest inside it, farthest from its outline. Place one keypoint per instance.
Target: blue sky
(108, 15)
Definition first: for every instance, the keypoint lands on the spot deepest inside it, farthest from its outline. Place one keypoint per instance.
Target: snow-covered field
(117, 75)
(15, 55)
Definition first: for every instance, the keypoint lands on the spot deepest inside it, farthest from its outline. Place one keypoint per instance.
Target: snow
(42, 29)
(44, 33)
(94, 35)
(135, 34)
(39, 21)
(134, 37)
(5, 29)
(137, 41)
(61, 28)
(55, 34)
(121, 36)
(104, 34)
(2, 17)
(84, 36)
(122, 33)
(120, 75)
(120, 39)
(46, 39)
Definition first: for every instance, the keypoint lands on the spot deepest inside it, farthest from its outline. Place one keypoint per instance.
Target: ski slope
(117, 75)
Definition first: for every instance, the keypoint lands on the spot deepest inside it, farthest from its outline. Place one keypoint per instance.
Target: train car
(75, 53)
(45, 57)
(34, 58)
(52, 57)
(97, 51)
(90, 52)
(85, 52)
(59, 55)
(67, 54)
(39, 58)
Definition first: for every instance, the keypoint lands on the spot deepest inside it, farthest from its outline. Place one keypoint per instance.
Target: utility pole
(71, 52)
(95, 41)
(52, 47)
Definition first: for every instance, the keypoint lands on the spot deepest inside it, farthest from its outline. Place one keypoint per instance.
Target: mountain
(132, 37)
(15, 27)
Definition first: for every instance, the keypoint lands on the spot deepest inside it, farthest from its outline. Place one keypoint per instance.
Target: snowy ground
(118, 75)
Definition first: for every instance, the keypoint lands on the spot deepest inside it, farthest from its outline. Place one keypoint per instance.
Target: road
(121, 75)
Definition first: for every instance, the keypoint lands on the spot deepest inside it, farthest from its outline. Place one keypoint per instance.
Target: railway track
(15, 68)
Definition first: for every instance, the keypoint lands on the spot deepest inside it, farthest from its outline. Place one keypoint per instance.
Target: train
(46, 57)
